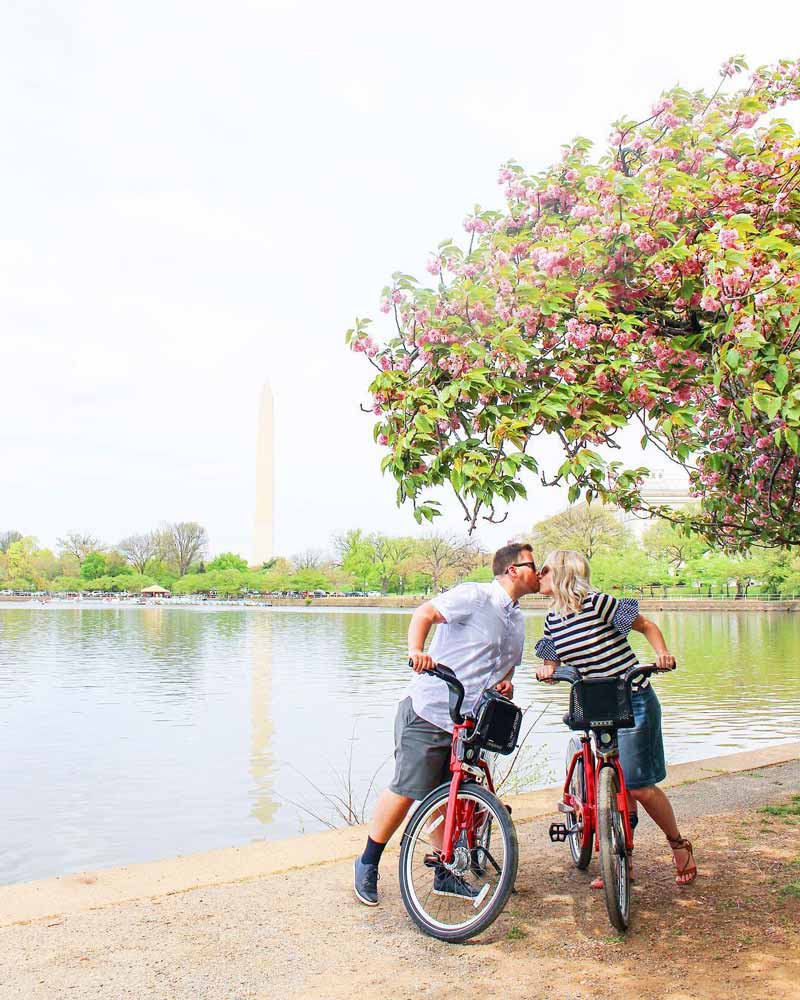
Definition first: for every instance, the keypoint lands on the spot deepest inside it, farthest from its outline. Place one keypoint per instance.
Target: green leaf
(768, 404)
(781, 377)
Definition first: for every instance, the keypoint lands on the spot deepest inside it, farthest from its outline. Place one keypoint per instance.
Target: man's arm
(422, 621)
(505, 687)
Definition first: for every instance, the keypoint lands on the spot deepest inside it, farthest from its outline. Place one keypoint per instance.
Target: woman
(587, 630)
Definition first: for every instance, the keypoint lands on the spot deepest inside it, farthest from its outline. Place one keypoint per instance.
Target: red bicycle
(459, 853)
(595, 799)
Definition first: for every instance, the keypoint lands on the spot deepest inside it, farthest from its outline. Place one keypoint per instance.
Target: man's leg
(422, 754)
(390, 811)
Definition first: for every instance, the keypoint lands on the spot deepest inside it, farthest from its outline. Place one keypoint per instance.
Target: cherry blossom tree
(657, 286)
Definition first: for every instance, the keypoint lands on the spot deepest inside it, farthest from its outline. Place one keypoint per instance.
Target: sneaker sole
(455, 895)
(360, 898)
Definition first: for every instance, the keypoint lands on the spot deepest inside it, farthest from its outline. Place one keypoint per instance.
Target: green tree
(675, 544)
(309, 579)
(226, 560)
(94, 566)
(20, 560)
(720, 570)
(628, 568)
(586, 528)
(388, 554)
(45, 565)
(356, 555)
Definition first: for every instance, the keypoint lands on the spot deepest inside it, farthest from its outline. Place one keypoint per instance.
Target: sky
(198, 198)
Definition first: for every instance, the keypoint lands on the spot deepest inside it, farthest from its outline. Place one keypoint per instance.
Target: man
(479, 636)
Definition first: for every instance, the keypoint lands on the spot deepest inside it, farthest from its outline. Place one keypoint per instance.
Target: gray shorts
(421, 754)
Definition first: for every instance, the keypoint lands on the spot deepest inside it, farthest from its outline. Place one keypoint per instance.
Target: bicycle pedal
(558, 832)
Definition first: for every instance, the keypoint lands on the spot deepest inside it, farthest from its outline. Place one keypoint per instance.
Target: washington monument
(264, 541)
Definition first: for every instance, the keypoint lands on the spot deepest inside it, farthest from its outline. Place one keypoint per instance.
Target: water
(136, 733)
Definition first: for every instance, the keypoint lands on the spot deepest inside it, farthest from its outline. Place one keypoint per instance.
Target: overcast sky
(200, 197)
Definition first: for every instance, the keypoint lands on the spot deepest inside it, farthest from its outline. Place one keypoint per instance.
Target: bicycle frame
(587, 811)
(455, 825)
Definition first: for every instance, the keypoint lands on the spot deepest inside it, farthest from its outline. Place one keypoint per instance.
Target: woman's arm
(664, 659)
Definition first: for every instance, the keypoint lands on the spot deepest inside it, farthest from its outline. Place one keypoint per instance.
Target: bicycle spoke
(470, 884)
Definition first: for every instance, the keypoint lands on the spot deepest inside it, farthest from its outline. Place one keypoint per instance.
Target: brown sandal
(688, 873)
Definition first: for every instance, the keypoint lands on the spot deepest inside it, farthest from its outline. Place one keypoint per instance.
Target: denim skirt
(641, 749)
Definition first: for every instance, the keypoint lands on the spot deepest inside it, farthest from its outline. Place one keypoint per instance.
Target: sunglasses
(531, 564)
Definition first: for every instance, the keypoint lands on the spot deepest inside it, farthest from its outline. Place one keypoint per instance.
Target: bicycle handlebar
(456, 689)
(571, 676)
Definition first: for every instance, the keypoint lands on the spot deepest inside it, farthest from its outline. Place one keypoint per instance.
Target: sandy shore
(273, 920)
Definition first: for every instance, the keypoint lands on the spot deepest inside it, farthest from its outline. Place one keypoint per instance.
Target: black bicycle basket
(497, 723)
(602, 702)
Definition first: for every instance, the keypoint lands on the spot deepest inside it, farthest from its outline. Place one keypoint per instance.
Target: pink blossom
(434, 266)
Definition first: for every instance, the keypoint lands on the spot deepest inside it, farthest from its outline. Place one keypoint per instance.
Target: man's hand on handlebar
(545, 671)
(665, 661)
(505, 688)
(420, 662)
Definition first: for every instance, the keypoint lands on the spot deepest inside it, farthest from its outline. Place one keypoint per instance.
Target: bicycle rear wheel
(455, 902)
(615, 865)
(580, 834)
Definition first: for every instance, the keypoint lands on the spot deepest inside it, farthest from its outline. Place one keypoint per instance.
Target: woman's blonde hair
(571, 577)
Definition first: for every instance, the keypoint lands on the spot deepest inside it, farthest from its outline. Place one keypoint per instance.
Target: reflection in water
(261, 765)
(136, 733)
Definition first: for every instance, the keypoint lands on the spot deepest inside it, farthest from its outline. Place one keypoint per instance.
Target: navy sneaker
(445, 883)
(365, 882)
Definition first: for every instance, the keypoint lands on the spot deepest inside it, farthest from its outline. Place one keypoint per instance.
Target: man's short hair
(509, 554)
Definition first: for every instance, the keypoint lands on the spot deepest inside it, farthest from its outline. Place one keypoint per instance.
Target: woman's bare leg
(660, 810)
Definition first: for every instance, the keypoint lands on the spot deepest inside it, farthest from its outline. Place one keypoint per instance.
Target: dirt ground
(301, 934)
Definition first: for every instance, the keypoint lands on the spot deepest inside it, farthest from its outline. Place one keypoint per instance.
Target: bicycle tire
(580, 845)
(614, 859)
(414, 844)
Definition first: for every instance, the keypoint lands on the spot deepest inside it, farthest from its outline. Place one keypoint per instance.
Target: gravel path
(301, 933)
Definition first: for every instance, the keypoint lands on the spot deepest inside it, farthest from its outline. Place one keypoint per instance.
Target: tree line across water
(665, 560)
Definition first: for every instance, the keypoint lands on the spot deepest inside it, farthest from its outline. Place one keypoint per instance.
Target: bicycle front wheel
(615, 865)
(456, 901)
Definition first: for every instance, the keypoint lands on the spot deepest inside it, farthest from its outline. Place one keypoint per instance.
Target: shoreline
(394, 602)
(27, 902)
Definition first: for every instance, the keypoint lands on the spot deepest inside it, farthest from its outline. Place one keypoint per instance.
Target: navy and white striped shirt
(593, 640)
